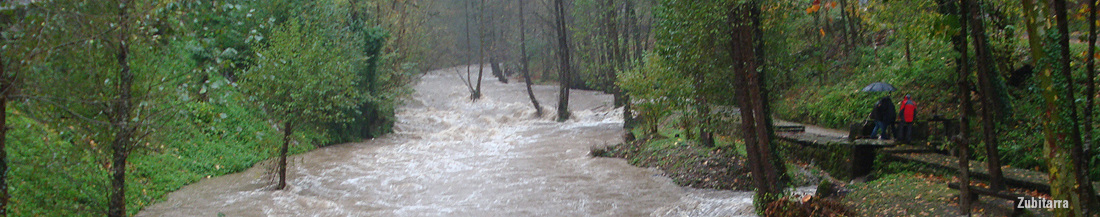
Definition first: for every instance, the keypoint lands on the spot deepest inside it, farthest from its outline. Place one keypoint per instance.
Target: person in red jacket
(907, 113)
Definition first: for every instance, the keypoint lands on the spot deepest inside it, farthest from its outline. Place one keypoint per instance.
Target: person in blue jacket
(883, 114)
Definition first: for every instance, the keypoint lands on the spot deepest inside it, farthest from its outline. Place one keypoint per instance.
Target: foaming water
(451, 156)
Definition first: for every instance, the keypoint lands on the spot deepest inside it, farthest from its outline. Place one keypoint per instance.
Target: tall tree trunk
(963, 138)
(985, 61)
(1062, 177)
(706, 138)
(1090, 80)
(288, 130)
(466, 17)
(635, 29)
(1076, 150)
(494, 66)
(744, 22)
(480, 49)
(778, 177)
(523, 58)
(1090, 95)
(6, 82)
(566, 66)
(124, 132)
(612, 18)
(630, 53)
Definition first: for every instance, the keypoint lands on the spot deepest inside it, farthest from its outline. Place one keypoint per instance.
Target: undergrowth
(209, 139)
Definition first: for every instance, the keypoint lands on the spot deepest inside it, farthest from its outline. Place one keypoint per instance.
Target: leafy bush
(657, 90)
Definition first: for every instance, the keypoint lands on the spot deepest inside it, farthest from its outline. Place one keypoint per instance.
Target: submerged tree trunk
(744, 21)
(563, 55)
(611, 18)
(480, 50)
(499, 73)
(288, 129)
(985, 60)
(523, 58)
(466, 17)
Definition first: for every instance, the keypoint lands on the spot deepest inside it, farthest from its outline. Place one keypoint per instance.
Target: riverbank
(686, 164)
(894, 188)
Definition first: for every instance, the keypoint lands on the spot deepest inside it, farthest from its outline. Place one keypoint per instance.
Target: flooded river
(450, 156)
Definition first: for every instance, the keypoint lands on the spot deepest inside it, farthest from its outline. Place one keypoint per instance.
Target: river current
(451, 156)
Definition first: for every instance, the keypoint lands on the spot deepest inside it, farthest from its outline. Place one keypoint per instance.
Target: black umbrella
(879, 87)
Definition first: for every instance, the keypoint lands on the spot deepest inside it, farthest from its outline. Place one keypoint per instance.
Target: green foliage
(41, 157)
(657, 90)
(691, 34)
(194, 120)
(837, 104)
(692, 37)
(299, 77)
(207, 139)
(221, 32)
(373, 116)
(818, 81)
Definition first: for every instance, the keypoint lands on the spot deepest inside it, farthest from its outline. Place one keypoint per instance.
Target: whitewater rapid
(452, 156)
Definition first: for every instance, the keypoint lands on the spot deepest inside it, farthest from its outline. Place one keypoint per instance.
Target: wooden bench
(975, 191)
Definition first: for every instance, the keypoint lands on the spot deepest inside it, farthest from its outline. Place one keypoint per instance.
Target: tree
(1090, 79)
(104, 82)
(563, 56)
(611, 41)
(985, 62)
(745, 52)
(687, 35)
(1082, 186)
(523, 58)
(1083, 151)
(480, 49)
(17, 51)
(10, 69)
(469, 85)
(300, 79)
(1059, 119)
(962, 140)
(121, 115)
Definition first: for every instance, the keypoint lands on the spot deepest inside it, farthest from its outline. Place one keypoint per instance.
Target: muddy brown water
(450, 156)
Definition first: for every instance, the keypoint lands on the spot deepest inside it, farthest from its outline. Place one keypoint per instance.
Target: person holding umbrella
(883, 114)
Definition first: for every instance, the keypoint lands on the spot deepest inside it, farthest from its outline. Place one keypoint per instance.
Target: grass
(209, 139)
(919, 194)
